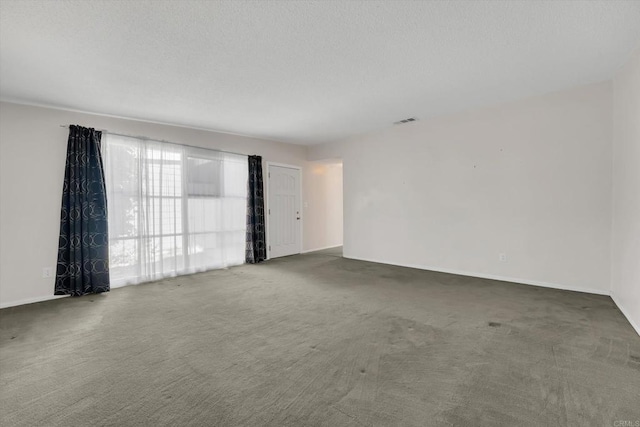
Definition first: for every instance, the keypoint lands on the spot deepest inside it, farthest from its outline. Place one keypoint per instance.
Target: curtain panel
(83, 246)
(174, 209)
(256, 250)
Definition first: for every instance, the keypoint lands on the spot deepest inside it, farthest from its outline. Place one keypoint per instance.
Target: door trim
(268, 215)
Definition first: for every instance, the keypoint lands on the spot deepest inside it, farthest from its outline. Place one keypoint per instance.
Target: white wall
(625, 278)
(32, 158)
(531, 179)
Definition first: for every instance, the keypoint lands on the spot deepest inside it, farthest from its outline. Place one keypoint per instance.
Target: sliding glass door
(172, 209)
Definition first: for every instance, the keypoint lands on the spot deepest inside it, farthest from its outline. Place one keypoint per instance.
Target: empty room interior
(319, 213)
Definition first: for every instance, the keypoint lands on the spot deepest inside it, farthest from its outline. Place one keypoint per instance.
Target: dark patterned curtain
(83, 248)
(256, 247)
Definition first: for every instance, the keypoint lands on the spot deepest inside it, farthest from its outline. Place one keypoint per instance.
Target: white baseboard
(30, 300)
(488, 276)
(320, 249)
(626, 313)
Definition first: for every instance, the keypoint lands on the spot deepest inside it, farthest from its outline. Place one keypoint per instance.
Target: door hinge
(269, 247)
(269, 211)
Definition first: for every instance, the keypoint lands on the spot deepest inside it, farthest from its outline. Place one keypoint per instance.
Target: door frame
(268, 200)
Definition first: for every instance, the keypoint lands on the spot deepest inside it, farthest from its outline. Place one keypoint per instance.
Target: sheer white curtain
(172, 209)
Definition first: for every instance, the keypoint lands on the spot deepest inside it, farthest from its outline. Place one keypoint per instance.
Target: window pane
(162, 197)
(204, 177)
(171, 216)
(235, 178)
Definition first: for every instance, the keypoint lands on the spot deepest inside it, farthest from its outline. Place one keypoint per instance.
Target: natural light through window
(173, 209)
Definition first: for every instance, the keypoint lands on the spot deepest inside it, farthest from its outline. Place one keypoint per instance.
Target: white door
(284, 211)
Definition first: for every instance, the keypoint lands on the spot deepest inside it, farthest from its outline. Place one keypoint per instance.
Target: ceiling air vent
(409, 120)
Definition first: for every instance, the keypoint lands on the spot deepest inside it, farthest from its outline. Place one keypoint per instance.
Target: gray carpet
(320, 340)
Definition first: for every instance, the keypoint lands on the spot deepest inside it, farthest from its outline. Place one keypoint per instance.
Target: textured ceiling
(303, 71)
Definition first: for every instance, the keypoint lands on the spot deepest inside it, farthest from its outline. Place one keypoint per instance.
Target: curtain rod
(146, 138)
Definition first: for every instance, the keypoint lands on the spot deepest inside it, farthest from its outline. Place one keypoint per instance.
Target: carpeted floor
(316, 339)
